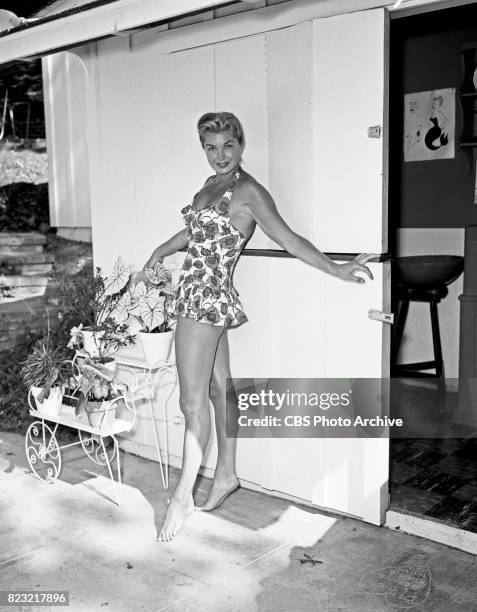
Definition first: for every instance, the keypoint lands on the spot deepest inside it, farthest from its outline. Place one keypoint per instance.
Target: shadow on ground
(255, 553)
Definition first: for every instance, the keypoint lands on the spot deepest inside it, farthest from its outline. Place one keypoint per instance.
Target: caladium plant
(147, 299)
(149, 308)
(118, 278)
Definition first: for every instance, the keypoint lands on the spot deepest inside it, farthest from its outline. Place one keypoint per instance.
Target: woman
(219, 221)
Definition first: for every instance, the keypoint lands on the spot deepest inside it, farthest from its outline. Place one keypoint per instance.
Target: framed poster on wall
(429, 125)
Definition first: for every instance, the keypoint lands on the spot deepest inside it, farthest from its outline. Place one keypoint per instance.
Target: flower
(199, 273)
(212, 314)
(198, 236)
(223, 207)
(211, 230)
(76, 336)
(212, 261)
(228, 242)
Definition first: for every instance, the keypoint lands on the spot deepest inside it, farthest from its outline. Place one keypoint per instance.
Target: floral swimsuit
(205, 291)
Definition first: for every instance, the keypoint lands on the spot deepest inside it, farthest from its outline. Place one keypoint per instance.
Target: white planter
(156, 347)
(50, 406)
(102, 415)
(112, 366)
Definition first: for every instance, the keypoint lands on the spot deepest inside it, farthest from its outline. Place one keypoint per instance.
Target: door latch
(385, 317)
(374, 131)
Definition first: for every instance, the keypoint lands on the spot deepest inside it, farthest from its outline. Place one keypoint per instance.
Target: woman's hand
(346, 271)
(174, 244)
(153, 260)
(137, 277)
(140, 275)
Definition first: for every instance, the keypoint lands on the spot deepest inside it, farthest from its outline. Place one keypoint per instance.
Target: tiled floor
(435, 476)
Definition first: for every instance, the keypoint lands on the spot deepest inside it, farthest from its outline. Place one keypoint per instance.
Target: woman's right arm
(174, 244)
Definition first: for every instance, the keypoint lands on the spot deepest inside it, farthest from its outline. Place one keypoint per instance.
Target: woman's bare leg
(196, 345)
(225, 477)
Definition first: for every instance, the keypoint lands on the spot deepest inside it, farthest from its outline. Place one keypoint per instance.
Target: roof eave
(92, 22)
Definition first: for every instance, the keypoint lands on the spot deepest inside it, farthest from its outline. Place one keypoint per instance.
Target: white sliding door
(350, 90)
(307, 96)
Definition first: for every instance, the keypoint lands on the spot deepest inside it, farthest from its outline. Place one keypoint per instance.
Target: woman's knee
(194, 405)
(217, 389)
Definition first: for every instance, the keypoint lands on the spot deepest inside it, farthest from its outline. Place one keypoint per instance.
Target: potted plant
(150, 297)
(94, 301)
(45, 371)
(103, 341)
(99, 394)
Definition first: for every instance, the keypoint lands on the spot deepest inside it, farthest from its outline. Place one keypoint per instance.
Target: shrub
(24, 207)
(14, 414)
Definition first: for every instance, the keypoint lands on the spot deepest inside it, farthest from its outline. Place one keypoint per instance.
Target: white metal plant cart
(117, 417)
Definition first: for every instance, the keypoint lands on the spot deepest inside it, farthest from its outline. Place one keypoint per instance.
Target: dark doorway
(434, 469)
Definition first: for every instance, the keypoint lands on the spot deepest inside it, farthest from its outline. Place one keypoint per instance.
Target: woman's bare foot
(219, 491)
(176, 514)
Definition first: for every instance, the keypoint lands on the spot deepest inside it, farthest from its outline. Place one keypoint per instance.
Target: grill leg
(436, 339)
(401, 321)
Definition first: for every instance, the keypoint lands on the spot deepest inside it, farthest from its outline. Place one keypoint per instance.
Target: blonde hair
(220, 122)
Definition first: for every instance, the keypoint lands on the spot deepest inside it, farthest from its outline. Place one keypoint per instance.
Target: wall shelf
(468, 101)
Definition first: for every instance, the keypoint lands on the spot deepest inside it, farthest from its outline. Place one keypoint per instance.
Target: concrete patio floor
(255, 553)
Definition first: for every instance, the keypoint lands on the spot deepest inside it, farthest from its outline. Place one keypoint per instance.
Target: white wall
(65, 78)
(297, 117)
(146, 163)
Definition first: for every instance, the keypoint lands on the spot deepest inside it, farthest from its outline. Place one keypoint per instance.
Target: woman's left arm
(262, 208)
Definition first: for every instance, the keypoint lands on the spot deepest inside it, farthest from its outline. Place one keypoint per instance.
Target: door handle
(378, 315)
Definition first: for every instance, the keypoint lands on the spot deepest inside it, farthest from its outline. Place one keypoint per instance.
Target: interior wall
(430, 202)
(424, 55)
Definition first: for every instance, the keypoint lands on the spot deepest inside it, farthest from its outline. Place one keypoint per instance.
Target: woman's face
(223, 151)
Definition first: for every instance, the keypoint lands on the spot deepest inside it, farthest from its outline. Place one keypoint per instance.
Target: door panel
(290, 129)
(250, 348)
(349, 92)
(240, 88)
(353, 341)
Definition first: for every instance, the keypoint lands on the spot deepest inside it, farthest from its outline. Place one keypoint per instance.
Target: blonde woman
(218, 223)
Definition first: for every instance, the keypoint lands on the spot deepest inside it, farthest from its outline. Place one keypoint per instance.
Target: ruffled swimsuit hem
(240, 319)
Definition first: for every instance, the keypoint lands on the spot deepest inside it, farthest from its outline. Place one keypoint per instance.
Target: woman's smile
(223, 151)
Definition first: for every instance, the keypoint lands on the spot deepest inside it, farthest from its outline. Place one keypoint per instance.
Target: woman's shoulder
(251, 189)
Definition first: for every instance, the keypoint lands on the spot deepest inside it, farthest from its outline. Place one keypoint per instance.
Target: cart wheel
(92, 446)
(42, 451)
